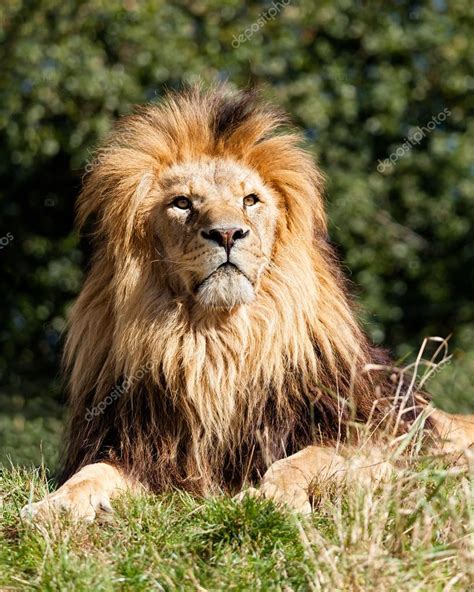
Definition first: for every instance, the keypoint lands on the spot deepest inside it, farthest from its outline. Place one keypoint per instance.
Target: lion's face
(215, 228)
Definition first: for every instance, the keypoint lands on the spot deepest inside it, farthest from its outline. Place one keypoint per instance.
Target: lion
(214, 345)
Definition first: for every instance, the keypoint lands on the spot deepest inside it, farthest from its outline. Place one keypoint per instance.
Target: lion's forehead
(209, 177)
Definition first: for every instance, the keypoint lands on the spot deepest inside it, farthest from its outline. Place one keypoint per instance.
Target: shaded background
(359, 77)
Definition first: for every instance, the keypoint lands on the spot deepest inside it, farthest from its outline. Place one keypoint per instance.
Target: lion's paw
(79, 503)
(295, 498)
(247, 492)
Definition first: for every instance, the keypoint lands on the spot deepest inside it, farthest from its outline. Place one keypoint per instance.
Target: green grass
(30, 429)
(412, 533)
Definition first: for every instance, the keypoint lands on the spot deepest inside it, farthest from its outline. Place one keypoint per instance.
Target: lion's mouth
(228, 264)
(227, 286)
(226, 268)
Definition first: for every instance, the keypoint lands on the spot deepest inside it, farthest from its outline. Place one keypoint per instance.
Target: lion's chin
(226, 288)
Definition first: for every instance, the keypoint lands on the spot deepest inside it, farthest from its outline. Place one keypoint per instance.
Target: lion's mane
(180, 398)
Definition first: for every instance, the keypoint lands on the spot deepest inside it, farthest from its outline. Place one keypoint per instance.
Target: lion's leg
(456, 431)
(85, 494)
(291, 479)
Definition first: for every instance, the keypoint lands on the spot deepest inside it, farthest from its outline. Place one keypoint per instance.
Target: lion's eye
(250, 200)
(181, 202)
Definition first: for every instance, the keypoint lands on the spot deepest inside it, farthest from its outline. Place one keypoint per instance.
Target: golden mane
(209, 400)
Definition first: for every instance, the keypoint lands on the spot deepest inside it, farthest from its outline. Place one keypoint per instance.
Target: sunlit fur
(224, 392)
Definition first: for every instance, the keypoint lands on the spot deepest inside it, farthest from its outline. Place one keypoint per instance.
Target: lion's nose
(225, 237)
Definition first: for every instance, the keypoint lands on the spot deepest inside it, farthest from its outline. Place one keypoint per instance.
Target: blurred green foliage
(359, 77)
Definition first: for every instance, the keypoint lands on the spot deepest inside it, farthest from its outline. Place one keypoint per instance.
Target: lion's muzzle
(226, 287)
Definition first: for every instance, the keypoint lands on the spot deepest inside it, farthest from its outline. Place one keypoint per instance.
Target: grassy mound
(412, 533)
